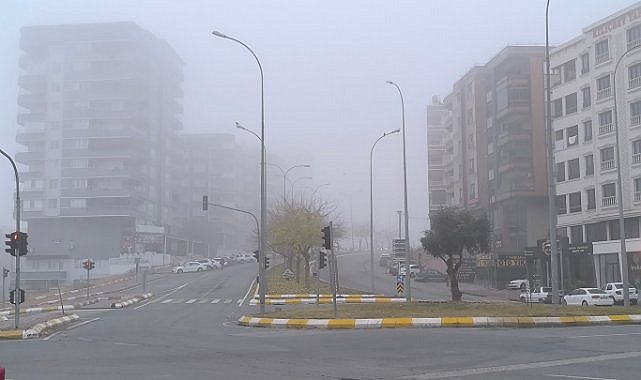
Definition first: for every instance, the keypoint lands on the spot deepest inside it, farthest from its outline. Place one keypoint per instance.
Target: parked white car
(615, 291)
(191, 266)
(588, 297)
(414, 269)
(521, 284)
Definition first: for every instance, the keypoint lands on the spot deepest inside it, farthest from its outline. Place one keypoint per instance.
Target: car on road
(190, 266)
(519, 284)
(429, 275)
(207, 263)
(384, 259)
(538, 294)
(615, 291)
(588, 297)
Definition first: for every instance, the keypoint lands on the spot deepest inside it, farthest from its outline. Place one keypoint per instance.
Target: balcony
(609, 201)
(32, 193)
(602, 58)
(25, 118)
(634, 43)
(33, 102)
(513, 135)
(29, 157)
(101, 192)
(635, 120)
(604, 93)
(517, 163)
(606, 128)
(634, 83)
(608, 165)
(33, 82)
(97, 211)
(25, 137)
(636, 158)
(637, 196)
(135, 173)
(125, 131)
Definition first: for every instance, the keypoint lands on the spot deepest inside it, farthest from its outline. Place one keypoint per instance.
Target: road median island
(39, 329)
(131, 301)
(387, 315)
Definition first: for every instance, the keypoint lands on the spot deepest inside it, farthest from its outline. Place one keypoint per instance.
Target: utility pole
(17, 289)
(400, 218)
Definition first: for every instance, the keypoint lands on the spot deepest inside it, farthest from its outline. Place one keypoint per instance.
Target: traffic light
(12, 296)
(547, 248)
(266, 262)
(5, 272)
(11, 243)
(205, 203)
(322, 260)
(256, 255)
(22, 243)
(88, 264)
(327, 237)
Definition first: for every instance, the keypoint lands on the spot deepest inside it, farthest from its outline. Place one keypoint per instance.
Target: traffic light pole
(3, 290)
(88, 282)
(15, 171)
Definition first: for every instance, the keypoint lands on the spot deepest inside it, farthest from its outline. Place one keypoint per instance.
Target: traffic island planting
(276, 284)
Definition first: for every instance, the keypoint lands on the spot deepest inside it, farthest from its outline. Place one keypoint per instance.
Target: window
(603, 87)
(589, 165)
(637, 189)
(575, 202)
(634, 36)
(601, 52)
(585, 63)
(557, 108)
(635, 113)
(570, 103)
(608, 192)
(574, 171)
(636, 151)
(73, 203)
(559, 142)
(587, 130)
(572, 134)
(561, 205)
(587, 97)
(607, 158)
(591, 199)
(569, 70)
(596, 232)
(52, 203)
(555, 76)
(576, 234)
(560, 171)
(470, 169)
(53, 144)
(605, 122)
(472, 191)
(634, 76)
(53, 183)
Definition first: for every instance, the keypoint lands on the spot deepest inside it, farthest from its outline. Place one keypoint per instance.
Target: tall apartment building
(495, 155)
(99, 109)
(437, 115)
(585, 127)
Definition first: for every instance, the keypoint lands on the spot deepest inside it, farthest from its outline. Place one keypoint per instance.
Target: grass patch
(278, 285)
(426, 310)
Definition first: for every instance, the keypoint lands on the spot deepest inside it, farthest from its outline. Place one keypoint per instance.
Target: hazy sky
(325, 63)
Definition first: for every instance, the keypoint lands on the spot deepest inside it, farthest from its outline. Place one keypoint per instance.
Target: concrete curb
(280, 296)
(48, 309)
(377, 323)
(325, 300)
(131, 301)
(39, 329)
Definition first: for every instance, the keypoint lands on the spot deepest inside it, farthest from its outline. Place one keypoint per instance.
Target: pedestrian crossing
(190, 301)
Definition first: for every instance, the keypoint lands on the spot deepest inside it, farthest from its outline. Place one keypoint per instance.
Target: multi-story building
(585, 127)
(495, 155)
(99, 110)
(437, 132)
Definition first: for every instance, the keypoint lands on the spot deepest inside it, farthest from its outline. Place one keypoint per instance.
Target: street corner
(38, 330)
(435, 322)
(131, 301)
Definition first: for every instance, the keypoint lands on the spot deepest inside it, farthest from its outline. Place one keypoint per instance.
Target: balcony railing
(609, 201)
(606, 128)
(637, 196)
(634, 43)
(636, 158)
(607, 165)
(634, 83)
(635, 120)
(604, 93)
(602, 58)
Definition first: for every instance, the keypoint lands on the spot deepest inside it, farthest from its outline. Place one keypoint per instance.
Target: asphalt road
(181, 334)
(354, 273)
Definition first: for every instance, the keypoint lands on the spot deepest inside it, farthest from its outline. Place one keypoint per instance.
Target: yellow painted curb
(620, 318)
(297, 323)
(582, 320)
(526, 321)
(11, 334)
(396, 322)
(341, 323)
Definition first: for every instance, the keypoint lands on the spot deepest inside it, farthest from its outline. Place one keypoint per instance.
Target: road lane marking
(228, 300)
(82, 323)
(580, 377)
(203, 301)
(51, 335)
(600, 335)
(179, 300)
(248, 290)
(215, 300)
(191, 300)
(169, 293)
(168, 300)
(523, 366)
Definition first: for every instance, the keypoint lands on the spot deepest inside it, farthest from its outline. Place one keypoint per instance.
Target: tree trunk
(307, 272)
(298, 269)
(454, 290)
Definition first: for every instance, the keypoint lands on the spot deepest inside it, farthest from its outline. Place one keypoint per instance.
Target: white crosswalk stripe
(167, 300)
(201, 301)
(228, 300)
(215, 300)
(191, 300)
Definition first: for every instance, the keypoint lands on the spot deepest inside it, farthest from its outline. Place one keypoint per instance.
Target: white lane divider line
(579, 377)
(203, 301)
(240, 301)
(215, 300)
(191, 300)
(179, 300)
(228, 300)
(167, 300)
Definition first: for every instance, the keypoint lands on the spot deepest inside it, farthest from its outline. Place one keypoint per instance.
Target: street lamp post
(624, 254)
(371, 208)
(550, 167)
(284, 173)
(407, 218)
(318, 188)
(17, 281)
(263, 187)
(294, 182)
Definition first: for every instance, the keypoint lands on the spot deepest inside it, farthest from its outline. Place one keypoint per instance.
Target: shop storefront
(606, 261)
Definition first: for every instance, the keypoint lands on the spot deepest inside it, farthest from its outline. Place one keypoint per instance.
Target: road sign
(399, 248)
(288, 274)
(400, 287)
